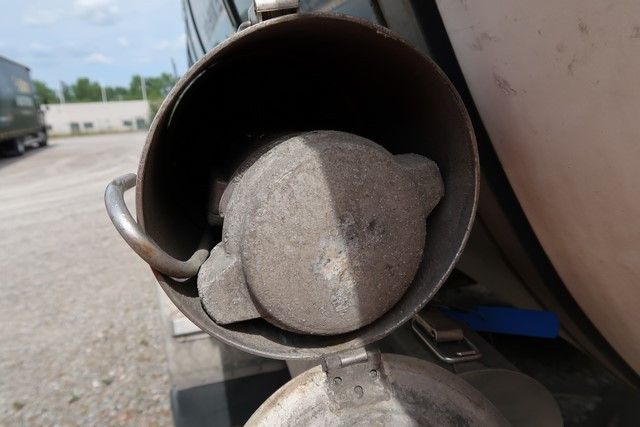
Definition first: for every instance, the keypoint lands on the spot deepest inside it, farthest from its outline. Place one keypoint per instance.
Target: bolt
(359, 391)
(337, 381)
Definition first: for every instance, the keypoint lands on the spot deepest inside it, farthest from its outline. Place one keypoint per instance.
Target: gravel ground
(80, 338)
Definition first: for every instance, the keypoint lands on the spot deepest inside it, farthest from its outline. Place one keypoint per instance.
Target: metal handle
(142, 244)
(419, 325)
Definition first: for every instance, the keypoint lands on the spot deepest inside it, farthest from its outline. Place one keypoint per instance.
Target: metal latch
(438, 331)
(355, 378)
(267, 9)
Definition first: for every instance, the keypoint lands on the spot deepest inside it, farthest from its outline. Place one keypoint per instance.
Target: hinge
(355, 378)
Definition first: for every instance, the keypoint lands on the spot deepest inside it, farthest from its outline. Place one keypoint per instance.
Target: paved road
(80, 339)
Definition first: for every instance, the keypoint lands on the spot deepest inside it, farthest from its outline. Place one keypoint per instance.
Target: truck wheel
(18, 147)
(44, 139)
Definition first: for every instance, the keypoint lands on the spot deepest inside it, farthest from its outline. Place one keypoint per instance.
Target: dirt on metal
(417, 393)
(326, 230)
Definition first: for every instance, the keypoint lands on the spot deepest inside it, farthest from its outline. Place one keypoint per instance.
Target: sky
(105, 40)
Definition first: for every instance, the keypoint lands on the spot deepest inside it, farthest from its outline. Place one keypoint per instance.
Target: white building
(87, 117)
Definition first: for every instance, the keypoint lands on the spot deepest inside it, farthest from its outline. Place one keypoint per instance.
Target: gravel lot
(80, 338)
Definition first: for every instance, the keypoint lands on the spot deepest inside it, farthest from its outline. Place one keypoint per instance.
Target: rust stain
(147, 249)
(571, 65)
(582, 27)
(577, 59)
(480, 41)
(504, 85)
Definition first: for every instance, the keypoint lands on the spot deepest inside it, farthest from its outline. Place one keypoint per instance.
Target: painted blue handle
(506, 320)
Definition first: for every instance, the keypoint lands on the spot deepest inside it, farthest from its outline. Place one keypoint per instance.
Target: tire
(18, 147)
(44, 139)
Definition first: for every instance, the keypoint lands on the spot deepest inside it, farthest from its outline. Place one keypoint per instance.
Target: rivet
(359, 391)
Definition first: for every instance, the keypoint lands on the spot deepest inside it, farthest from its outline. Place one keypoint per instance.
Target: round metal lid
(325, 231)
(399, 391)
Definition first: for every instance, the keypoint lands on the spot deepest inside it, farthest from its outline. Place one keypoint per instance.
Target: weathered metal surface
(415, 393)
(426, 176)
(326, 230)
(555, 84)
(223, 289)
(326, 77)
(355, 379)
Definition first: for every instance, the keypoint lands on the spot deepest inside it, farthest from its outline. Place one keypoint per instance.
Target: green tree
(86, 91)
(67, 92)
(117, 93)
(157, 87)
(135, 87)
(45, 94)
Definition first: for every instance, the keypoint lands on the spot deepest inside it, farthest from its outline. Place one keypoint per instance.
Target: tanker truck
(21, 120)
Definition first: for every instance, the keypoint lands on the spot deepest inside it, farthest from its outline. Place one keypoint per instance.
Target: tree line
(85, 90)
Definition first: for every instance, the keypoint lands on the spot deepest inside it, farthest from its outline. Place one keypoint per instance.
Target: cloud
(74, 49)
(40, 18)
(161, 45)
(123, 41)
(179, 42)
(36, 52)
(37, 48)
(98, 12)
(97, 58)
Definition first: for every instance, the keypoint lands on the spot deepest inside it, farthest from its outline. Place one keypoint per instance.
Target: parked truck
(21, 120)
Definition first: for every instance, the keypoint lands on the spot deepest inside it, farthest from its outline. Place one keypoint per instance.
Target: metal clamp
(261, 10)
(142, 244)
(439, 330)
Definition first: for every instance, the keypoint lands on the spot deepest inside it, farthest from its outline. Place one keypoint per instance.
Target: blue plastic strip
(506, 320)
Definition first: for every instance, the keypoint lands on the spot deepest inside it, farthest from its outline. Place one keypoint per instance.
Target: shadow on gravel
(31, 151)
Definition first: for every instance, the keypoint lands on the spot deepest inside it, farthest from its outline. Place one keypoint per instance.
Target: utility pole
(175, 69)
(62, 92)
(143, 84)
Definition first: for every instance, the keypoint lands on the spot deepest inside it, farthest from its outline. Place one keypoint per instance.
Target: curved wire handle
(137, 239)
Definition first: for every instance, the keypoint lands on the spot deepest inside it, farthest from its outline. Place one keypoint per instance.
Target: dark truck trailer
(21, 121)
